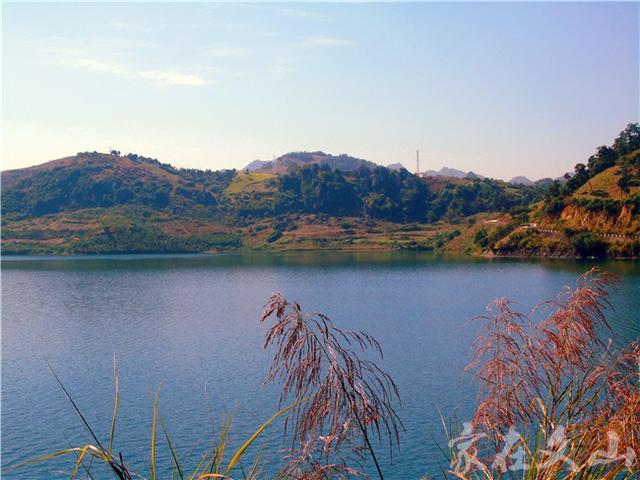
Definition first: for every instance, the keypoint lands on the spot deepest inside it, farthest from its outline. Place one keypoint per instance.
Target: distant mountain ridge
(111, 203)
(452, 172)
(522, 180)
(396, 166)
(256, 165)
(108, 203)
(517, 180)
(282, 164)
(347, 163)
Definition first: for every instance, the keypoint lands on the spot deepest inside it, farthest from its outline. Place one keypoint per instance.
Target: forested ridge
(104, 202)
(94, 180)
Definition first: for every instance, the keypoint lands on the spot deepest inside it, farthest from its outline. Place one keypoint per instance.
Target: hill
(521, 180)
(284, 163)
(104, 203)
(596, 212)
(607, 203)
(93, 180)
(451, 172)
(396, 166)
(256, 165)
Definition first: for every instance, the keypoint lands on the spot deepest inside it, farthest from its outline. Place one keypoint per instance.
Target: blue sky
(503, 89)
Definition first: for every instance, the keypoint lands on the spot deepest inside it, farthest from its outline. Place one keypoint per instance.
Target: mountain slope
(600, 216)
(93, 180)
(521, 180)
(451, 172)
(396, 166)
(602, 205)
(257, 165)
(107, 203)
(283, 164)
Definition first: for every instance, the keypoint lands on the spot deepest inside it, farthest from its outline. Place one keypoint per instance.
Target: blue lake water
(188, 325)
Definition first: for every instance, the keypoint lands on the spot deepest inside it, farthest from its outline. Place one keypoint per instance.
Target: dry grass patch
(248, 182)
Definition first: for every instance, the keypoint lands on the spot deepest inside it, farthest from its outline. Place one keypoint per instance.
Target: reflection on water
(322, 259)
(190, 321)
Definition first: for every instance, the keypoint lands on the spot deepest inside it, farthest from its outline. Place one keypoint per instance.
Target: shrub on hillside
(586, 245)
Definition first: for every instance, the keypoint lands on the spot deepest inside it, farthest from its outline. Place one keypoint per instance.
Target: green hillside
(111, 203)
(104, 203)
(595, 213)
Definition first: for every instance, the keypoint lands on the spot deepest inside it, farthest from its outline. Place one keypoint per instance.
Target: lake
(188, 327)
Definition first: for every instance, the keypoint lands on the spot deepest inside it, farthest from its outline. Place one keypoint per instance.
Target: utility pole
(418, 162)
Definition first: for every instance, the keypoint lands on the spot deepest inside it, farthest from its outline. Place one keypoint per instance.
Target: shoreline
(373, 249)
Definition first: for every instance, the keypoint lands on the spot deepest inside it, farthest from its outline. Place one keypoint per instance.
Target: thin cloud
(96, 66)
(225, 52)
(283, 65)
(300, 13)
(164, 77)
(101, 45)
(327, 42)
(173, 78)
(119, 24)
(288, 61)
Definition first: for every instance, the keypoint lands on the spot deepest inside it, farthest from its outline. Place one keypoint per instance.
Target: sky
(502, 89)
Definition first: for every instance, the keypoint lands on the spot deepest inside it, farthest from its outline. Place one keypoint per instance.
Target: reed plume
(349, 398)
(554, 379)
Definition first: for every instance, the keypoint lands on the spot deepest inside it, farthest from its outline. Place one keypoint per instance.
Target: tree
(579, 178)
(628, 140)
(481, 238)
(587, 244)
(604, 158)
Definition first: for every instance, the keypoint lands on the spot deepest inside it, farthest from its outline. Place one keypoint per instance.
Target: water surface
(188, 327)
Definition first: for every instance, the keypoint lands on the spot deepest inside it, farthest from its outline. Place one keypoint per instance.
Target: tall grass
(339, 405)
(350, 397)
(214, 462)
(555, 401)
(553, 394)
